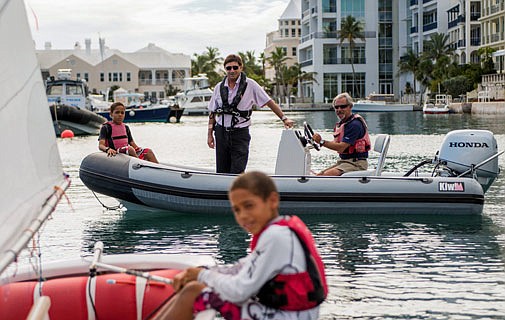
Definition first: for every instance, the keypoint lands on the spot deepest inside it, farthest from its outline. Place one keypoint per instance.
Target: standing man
(351, 139)
(230, 116)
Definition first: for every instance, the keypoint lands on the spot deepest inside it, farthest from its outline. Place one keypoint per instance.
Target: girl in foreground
(282, 278)
(116, 137)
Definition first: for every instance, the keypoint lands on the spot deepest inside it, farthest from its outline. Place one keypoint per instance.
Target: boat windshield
(74, 90)
(55, 90)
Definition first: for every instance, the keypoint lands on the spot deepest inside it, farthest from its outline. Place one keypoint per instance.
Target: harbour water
(378, 267)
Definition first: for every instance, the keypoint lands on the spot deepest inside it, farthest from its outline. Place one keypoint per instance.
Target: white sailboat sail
(31, 174)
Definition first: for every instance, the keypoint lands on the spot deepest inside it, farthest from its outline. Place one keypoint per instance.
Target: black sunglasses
(228, 68)
(341, 106)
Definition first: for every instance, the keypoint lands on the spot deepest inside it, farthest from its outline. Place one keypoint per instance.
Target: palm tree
(207, 63)
(294, 75)
(276, 60)
(437, 47)
(409, 63)
(351, 30)
(486, 55)
(438, 50)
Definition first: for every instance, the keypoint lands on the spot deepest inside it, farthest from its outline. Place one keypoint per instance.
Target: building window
(110, 76)
(78, 75)
(293, 51)
(121, 77)
(355, 8)
(330, 87)
(293, 33)
(354, 86)
(357, 55)
(128, 76)
(102, 77)
(114, 61)
(330, 55)
(285, 50)
(329, 5)
(86, 76)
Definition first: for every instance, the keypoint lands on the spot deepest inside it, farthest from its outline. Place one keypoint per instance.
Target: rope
(119, 206)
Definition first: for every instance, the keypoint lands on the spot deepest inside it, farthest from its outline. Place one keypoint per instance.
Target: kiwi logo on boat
(451, 186)
(468, 144)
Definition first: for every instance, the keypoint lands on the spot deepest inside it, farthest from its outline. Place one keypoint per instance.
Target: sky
(178, 26)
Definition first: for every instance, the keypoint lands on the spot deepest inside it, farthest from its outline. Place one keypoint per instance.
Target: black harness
(232, 108)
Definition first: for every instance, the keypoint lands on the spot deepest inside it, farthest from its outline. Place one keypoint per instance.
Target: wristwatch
(322, 141)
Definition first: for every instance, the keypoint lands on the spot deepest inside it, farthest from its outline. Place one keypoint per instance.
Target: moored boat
(376, 102)
(438, 106)
(139, 111)
(448, 190)
(196, 95)
(69, 105)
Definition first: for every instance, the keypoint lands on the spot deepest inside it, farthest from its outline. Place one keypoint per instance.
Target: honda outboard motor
(471, 153)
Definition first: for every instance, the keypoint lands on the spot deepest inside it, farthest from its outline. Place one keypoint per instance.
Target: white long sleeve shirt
(278, 251)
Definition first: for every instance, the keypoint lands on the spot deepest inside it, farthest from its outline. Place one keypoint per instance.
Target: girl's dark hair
(256, 182)
(115, 105)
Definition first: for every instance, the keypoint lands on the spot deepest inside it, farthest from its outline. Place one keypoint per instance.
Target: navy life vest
(232, 108)
(298, 291)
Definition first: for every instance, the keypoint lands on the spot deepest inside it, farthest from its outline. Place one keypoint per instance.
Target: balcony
(334, 60)
(413, 29)
(306, 63)
(475, 42)
(461, 43)
(430, 26)
(474, 16)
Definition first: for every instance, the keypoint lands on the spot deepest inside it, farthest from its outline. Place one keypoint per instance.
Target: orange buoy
(67, 134)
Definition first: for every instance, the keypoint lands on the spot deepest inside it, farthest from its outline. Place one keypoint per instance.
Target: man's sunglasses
(341, 106)
(228, 68)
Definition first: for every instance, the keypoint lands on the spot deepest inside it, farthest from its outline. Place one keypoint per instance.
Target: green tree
(207, 63)
(251, 67)
(409, 63)
(438, 50)
(458, 85)
(350, 31)
(276, 60)
(486, 58)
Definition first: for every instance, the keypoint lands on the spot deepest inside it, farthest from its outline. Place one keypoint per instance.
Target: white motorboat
(376, 102)
(108, 287)
(438, 106)
(196, 95)
(463, 170)
(68, 104)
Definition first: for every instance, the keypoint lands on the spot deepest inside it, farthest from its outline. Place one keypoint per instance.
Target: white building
(287, 37)
(148, 70)
(375, 59)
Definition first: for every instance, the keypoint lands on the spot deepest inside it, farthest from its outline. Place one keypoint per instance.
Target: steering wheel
(308, 135)
(301, 137)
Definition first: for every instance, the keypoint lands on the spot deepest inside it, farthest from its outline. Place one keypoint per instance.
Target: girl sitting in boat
(282, 278)
(116, 137)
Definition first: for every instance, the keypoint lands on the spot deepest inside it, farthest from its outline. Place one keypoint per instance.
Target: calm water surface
(391, 267)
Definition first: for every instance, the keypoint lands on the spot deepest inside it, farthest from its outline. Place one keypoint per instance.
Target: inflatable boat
(126, 286)
(463, 169)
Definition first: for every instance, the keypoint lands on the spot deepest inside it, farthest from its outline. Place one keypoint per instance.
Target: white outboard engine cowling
(463, 149)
